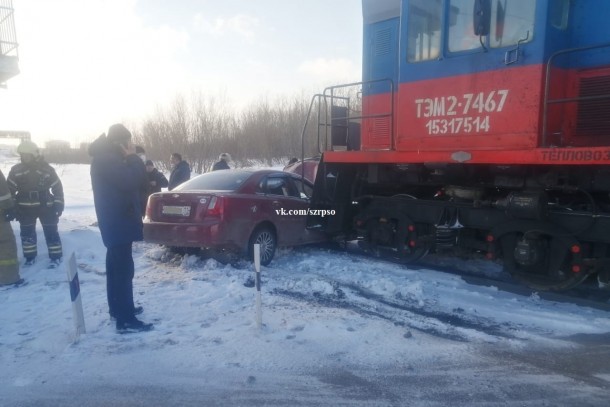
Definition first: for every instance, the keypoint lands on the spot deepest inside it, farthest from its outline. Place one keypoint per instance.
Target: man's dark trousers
(119, 281)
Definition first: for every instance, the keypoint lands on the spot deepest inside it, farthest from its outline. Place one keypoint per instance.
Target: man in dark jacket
(117, 177)
(156, 179)
(39, 194)
(180, 173)
(222, 163)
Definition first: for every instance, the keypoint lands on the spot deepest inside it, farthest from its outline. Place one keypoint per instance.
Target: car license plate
(176, 210)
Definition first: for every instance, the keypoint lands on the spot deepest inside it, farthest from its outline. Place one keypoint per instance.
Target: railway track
(431, 315)
(588, 294)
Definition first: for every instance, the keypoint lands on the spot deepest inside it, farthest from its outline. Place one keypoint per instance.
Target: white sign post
(257, 268)
(77, 305)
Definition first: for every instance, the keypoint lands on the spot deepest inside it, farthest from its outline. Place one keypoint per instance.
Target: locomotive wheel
(549, 269)
(381, 246)
(413, 254)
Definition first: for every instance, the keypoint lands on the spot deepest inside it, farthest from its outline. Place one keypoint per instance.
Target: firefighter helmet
(28, 147)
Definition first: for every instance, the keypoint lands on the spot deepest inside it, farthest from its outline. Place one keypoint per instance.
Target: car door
(302, 234)
(286, 208)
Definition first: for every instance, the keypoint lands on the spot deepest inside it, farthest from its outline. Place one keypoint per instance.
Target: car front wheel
(267, 240)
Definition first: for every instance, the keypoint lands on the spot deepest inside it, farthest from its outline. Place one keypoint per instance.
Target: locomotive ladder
(339, 119)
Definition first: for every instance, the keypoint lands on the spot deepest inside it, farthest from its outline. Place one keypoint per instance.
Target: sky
(338, 330)
(88, 64)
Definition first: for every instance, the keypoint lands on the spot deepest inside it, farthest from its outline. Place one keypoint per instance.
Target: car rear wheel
(266, 238)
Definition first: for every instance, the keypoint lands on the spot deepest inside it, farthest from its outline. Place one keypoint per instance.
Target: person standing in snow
(39, 194)
(117, 175)
(180, 173)
(9, 264)
(222, 163)
(156, 179)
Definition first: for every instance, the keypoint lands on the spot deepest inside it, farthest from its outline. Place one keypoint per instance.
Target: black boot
(132, 326)
(136, 311)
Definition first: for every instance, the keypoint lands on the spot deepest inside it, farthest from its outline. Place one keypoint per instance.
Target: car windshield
(228, 180)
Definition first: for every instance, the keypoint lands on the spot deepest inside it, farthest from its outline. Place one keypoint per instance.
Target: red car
(228, 211)
(307, 168)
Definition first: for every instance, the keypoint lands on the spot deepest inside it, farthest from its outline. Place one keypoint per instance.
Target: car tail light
(216, 207)
(149, 211)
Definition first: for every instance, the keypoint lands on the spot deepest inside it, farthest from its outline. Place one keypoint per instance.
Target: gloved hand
(10, 214)
(58, 207)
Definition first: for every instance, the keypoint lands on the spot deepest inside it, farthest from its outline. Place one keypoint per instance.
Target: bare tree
(211, 125)
(201, 127)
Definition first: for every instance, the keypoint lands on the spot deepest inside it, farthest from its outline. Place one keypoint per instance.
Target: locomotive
(480, 128)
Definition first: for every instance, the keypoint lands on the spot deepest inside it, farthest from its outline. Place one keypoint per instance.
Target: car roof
(260, 171)
(248, 173)
(244, 171)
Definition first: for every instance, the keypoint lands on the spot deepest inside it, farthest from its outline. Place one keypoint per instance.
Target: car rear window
(216, 181)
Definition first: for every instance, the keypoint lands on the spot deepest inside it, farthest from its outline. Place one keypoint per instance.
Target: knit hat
(149, 162)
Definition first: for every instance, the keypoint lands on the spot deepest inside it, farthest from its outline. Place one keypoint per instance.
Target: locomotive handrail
(313, 99)
(331, 89)
(324, 96)
(547, 85)
(325, 123)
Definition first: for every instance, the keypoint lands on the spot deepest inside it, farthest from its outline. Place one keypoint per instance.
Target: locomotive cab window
(461, 36)
(424, 30)
(512, 21)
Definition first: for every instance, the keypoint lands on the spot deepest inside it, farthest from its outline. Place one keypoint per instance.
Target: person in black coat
(156, 179)
(222, 163)
(117, 177)
(180, 173)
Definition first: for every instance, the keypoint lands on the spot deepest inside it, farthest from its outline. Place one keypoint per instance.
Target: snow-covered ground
(338, 329)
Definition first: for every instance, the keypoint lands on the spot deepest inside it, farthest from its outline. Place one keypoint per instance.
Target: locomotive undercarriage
(549, 226)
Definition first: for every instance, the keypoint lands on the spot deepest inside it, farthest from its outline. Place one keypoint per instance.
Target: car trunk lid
(184, 207)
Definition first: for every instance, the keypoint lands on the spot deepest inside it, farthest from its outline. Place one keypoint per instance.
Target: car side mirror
(482, 17)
